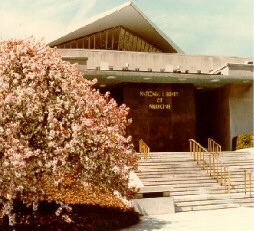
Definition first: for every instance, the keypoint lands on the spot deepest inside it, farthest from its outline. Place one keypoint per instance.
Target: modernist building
(172, 96)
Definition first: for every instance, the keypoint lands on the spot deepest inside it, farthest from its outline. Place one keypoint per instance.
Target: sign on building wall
(159, 100)
(163, 114)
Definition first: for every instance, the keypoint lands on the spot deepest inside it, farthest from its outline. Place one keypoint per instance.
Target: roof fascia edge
(161, 33)
(91, 21)
(96, 18)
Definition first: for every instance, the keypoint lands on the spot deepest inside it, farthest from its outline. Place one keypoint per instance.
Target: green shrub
(244, 141)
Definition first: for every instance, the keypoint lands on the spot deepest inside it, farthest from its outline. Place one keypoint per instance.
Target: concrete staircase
(192, 187)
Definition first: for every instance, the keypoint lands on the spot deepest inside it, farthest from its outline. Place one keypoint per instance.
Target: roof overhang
(234, 66)
(114, 78)
(129, 16)
(236, 69)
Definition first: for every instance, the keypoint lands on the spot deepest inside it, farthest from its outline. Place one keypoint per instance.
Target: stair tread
(191, 186)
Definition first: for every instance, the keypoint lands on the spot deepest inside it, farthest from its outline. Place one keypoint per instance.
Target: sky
(207, 27)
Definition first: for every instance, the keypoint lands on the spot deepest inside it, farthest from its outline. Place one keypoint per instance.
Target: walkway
(235, 219)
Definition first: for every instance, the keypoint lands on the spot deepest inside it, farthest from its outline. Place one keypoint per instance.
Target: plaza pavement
(235, 219)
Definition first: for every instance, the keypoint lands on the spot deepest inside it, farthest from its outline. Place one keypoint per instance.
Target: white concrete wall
(155, 61)
(241, 109)
(238, 70)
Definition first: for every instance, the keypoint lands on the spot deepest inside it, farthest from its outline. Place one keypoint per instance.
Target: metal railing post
(203, 159)
(210, 164)
(213, 167)
(200, 154)
(194, 154)
(213, 163)
(199, 150)
(195, 145)
(198, 147)
(197, 153)
(143, 148)
(145, 151)
(190, 148)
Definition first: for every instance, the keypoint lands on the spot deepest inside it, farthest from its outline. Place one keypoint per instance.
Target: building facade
(172, 96)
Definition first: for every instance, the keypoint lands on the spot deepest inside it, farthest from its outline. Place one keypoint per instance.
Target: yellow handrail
(211, 162)
(213, 146)
(143, 148)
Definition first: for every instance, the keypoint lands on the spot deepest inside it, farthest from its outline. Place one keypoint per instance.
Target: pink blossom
(52, 121)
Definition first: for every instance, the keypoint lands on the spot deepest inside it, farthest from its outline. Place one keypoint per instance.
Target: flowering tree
(53, 123)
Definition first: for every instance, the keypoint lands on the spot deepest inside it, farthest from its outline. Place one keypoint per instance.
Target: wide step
(191, 186)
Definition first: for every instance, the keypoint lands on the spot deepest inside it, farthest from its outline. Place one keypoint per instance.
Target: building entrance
(163, 114)
(213, 117)
(166, 116)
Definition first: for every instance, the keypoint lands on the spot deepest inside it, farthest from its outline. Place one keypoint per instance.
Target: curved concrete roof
(129, 16)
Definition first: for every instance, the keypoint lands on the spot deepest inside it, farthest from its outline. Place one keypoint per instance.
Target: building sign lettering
(159, 94)
(159, 106)
(160, 101)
